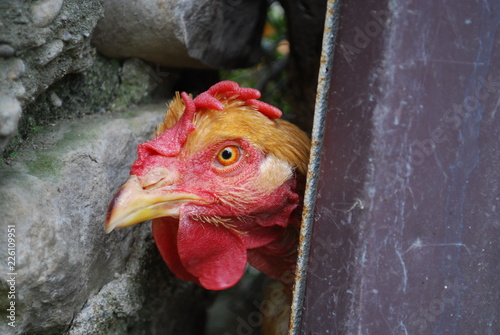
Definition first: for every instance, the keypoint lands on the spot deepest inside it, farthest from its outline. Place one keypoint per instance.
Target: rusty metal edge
(321, 105)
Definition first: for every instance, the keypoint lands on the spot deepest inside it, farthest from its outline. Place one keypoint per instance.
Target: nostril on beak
(163, 182)
(158, 178)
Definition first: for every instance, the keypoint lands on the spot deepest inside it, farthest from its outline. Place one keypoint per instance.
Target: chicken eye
(228, 155)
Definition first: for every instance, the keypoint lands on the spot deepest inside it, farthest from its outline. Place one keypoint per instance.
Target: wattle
(211, 256)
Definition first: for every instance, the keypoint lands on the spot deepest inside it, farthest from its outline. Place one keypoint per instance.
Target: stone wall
(71, 276)
(40, 43)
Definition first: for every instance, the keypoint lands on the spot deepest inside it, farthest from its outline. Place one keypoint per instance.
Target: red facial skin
(212, 240)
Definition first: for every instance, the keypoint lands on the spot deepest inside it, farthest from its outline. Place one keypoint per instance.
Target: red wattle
(165, 236)
(214, 255)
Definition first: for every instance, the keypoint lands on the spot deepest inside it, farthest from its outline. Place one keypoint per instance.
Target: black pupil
(227, 154)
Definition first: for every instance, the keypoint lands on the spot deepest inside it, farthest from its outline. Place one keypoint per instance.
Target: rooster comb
(229, 89)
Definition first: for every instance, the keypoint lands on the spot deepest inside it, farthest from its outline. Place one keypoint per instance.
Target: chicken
(222, 181)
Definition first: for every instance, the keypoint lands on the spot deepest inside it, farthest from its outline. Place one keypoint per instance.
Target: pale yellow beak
(132, 204)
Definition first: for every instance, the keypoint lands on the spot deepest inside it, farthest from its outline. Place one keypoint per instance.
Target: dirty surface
(406, 224)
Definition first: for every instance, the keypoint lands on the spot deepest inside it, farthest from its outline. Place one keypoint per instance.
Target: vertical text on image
(11, 275)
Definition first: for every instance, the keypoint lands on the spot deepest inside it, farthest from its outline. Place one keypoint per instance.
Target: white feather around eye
(273, 172)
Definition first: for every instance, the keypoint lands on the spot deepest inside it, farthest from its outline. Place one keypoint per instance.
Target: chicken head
(222, 181)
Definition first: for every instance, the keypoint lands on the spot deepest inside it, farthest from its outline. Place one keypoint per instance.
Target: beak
(132, 204)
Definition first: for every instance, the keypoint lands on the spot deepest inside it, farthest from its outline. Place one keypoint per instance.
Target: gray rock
(6, 51)
(11, 88)
(44, 12)
(141, 29)
(49, 51)
(11, 71)
(194, 33)
(145, 299)
(55, 100)
(56, 194)
(10, 112)
(65, 36)
(222, 34)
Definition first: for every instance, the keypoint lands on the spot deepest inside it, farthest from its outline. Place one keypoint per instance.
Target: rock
(142, 29)
(65, 36)
(56, 101)
(55, 194)
(11, 70)
(222, 34)
(145, 294)
(6, 51)
(10, 112)
(192, 33)
(49, 51)
(44, 12)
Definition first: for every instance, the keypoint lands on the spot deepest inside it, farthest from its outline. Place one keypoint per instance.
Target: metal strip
(328, 48)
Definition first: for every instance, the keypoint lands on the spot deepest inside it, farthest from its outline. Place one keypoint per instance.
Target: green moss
(135, 81)
(45, 161)
(79, 94)
(44, 165)
(74, 96)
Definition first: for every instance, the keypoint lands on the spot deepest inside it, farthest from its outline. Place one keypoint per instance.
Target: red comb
(208, 101)
(229, 89)
(268, 110)
(168, 143)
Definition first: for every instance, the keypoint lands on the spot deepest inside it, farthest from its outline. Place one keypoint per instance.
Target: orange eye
(228, 155)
